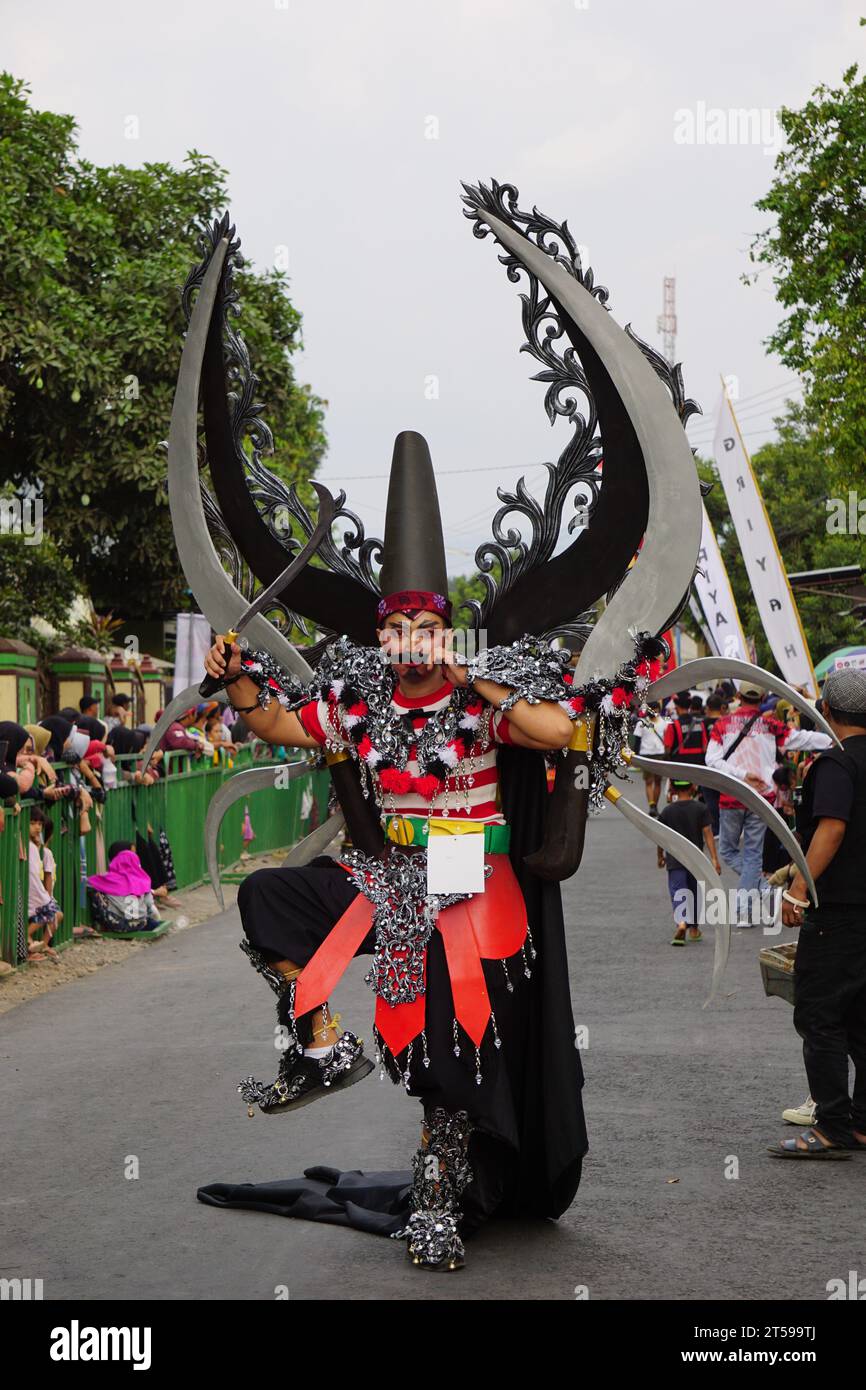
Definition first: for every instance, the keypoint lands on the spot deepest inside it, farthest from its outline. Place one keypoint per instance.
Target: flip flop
(787, 1148)
(678, 941)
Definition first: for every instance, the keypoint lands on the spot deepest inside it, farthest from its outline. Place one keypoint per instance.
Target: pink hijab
(124, 876)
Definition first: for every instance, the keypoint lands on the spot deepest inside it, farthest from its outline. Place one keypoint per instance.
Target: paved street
(142, 1060)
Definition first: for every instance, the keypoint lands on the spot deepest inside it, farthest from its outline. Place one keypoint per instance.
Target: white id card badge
(455, 863)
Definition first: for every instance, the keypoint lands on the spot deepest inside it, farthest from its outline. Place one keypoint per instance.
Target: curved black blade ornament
(708, 668)
(252, 509)
(216, 595)
(698, 865)
(242, 784)
(740, 791)
(654, 587)
(561, 850)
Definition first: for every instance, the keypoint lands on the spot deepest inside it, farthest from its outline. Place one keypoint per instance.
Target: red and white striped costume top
(479, 801)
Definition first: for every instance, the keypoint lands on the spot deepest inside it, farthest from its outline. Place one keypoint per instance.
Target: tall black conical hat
(413, 548)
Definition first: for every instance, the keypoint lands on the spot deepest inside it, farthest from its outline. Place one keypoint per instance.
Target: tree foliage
(816, 248)
(93, 262)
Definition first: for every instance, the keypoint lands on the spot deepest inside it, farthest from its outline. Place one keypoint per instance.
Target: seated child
(121, 899)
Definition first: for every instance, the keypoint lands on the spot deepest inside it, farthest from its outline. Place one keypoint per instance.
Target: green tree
(462, 588)
(90, 277)
(792, 475)
(816, 248)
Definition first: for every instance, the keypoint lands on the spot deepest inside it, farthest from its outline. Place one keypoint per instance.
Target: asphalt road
(134, 1069)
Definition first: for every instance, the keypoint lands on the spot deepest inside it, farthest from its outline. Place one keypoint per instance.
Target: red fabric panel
(319, 976)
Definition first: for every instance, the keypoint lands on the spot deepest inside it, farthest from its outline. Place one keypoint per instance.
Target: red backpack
(691, 739)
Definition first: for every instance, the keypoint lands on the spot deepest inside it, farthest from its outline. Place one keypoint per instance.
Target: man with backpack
(686, 734)
(748, 743)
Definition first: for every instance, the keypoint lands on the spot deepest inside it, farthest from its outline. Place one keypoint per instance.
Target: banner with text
(713, 588)
(767, 576)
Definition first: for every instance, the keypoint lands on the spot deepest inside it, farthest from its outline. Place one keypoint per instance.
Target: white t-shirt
(651, 735)
(37, 896)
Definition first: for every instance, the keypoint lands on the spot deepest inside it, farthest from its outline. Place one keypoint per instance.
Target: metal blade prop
(187, 699)
(740, 791)
(698, 866)
(316, 842)
(268, 596)
(708, 668)
(216, 595)
(242, 784)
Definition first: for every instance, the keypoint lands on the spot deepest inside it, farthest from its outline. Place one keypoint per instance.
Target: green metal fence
(176, 804)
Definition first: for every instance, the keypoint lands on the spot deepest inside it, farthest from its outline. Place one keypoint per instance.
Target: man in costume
(444, 964)
(473, 1013)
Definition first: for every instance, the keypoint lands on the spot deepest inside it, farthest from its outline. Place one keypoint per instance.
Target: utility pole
(667, 320)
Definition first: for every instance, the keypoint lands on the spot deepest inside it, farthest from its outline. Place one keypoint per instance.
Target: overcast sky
(322, 112)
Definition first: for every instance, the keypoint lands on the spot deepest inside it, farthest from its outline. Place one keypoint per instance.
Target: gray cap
(845, 691)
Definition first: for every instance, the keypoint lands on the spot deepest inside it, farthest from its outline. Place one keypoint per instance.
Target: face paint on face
(416, 645)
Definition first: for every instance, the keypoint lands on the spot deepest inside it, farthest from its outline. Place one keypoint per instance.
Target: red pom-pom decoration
(395, 779)
(577, 703)
(426, 786)
(364, 746)
(359, 709)
(619, 696)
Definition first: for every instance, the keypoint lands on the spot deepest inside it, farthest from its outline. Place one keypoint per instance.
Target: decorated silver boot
(441, 1173)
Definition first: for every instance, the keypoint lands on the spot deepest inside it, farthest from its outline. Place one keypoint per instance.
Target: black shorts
(287, 913)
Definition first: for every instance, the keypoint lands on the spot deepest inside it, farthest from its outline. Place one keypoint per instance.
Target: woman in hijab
(59, 730)
(126, 742)
(17, 761)
(94, 727)
(45, 783)
(121, 899)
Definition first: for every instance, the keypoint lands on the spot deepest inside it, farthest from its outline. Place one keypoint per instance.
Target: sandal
(815, 1148)
(698, 936)
(679, 940)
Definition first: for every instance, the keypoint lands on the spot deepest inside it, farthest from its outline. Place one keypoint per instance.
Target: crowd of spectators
(80, 757)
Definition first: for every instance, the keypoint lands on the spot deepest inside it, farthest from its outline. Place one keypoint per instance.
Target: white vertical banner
(695, 610)
(764, 566)
(191, 647)
(713, 588)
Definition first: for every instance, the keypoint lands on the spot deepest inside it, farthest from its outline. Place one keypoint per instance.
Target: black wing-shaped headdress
(627, 465)
(530, 587)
